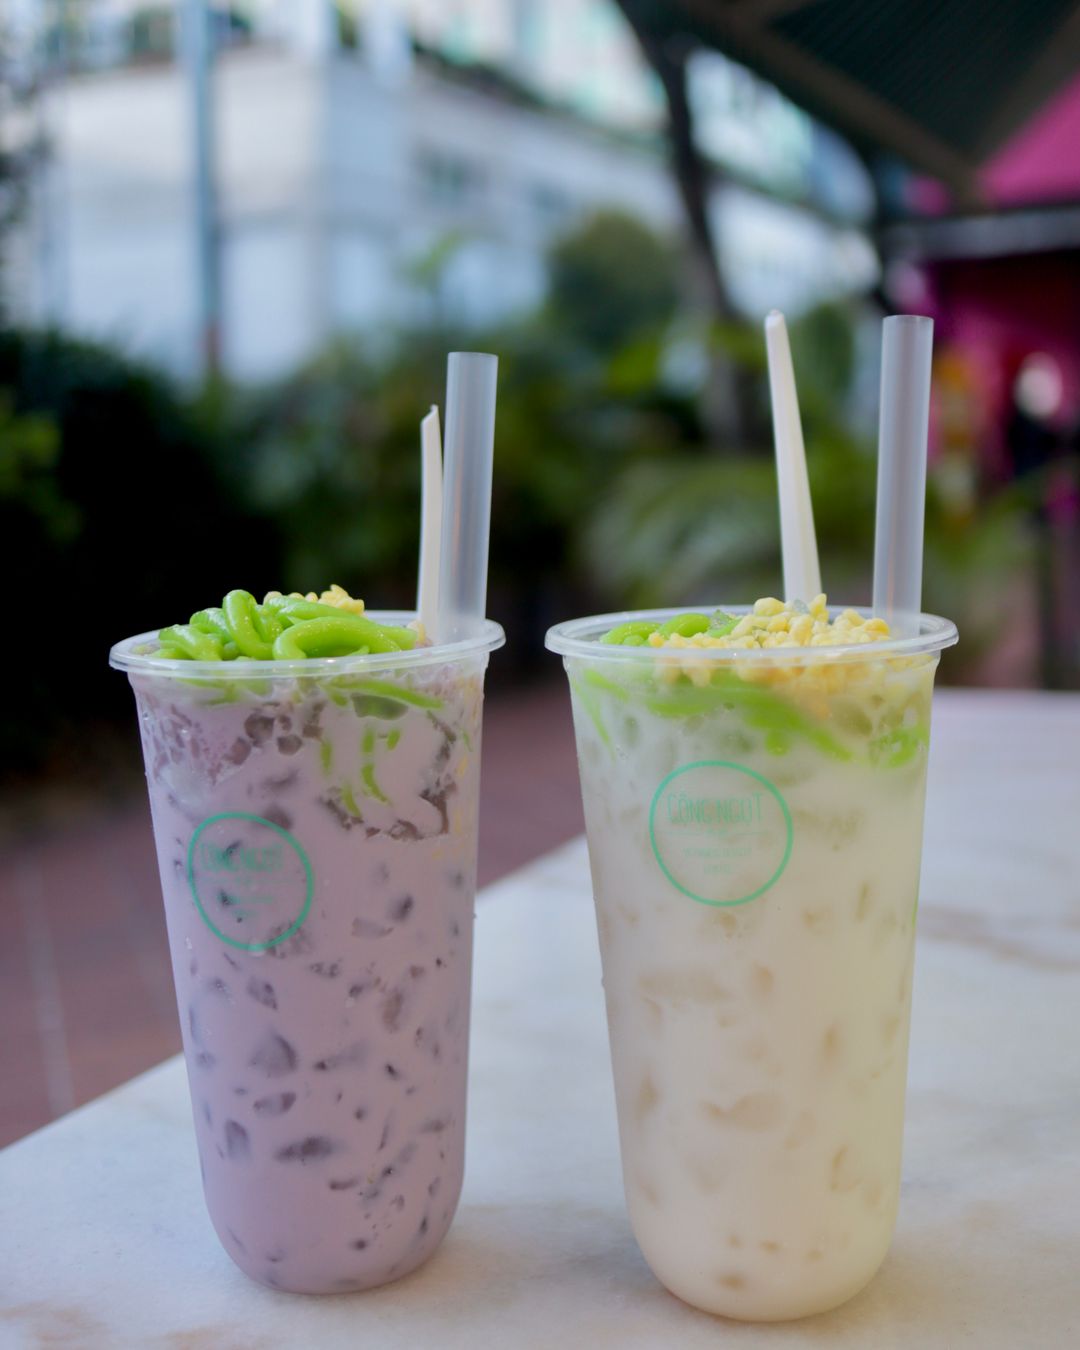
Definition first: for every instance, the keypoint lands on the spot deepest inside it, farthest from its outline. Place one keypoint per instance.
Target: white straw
(470, 436)
(802, 573)
(907, 348)
(431, 494)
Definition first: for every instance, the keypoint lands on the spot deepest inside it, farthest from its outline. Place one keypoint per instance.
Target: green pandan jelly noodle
(873, 709)
(282, 628)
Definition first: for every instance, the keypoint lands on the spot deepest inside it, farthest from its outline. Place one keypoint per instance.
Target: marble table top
(105, 1244)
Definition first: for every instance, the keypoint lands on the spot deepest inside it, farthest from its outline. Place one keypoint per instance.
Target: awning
(940, 83)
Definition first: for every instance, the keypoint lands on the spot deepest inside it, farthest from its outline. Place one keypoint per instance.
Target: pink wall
(1001, 310)
(1042, 161)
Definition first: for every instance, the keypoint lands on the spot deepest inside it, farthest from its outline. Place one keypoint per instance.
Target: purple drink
(316, 832)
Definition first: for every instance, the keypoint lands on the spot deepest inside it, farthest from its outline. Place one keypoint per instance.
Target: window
(449, 180)
(551, 207)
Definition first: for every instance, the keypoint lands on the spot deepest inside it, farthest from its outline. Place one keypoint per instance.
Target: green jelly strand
(590, 701)
(636, 632)
(267, 624)
(340, 636)
(380, 637)
(601, 681)
(386, 689)
(282, 628)
(287, 609)
(637, 628)
(405, 638)
(213, 622)
(240, 612)
(899, 746)
(189, 643)
(685, 625)
(758, 708)
(371, 785)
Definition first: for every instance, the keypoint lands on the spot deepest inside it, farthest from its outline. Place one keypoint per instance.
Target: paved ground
(86, 998)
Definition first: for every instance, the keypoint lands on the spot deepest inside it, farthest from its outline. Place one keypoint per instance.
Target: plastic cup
(316, 830)
(755, 825)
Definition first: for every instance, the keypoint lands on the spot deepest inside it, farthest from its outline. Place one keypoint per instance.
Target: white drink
(755, 846)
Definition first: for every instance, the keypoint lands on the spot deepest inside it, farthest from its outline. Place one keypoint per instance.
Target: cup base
(773, 1306)
(311, 1288)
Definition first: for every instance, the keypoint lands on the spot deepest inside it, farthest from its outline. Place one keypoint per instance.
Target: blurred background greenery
(127, 500)
(251, 306)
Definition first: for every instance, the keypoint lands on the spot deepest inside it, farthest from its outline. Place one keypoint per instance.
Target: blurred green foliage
(29, 452)
(610, 282)
(330, 457)
(700, 526)
(136, 504)
(111, 514)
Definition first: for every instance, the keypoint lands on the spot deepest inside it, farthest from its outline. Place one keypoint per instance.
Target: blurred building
(390, 160)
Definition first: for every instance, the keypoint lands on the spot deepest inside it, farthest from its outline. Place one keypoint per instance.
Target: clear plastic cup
(316, 830)
(755, 827)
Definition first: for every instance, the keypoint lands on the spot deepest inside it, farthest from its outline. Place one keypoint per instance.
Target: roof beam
(1059, 61)
(761, 11)
(855, 109)
(991, 235)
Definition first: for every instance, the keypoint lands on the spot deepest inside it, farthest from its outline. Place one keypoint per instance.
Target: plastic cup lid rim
(579, 637)
(127, 656)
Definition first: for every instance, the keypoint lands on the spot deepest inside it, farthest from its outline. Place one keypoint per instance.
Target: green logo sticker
(721, 833)
(251, 881)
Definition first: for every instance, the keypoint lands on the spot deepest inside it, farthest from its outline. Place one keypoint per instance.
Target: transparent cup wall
(316, 828)
(755, 835)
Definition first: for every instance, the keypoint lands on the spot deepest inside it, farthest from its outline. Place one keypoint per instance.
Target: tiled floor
(86, 996)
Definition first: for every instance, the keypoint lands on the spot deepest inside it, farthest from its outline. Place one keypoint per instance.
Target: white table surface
(105, 1244)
